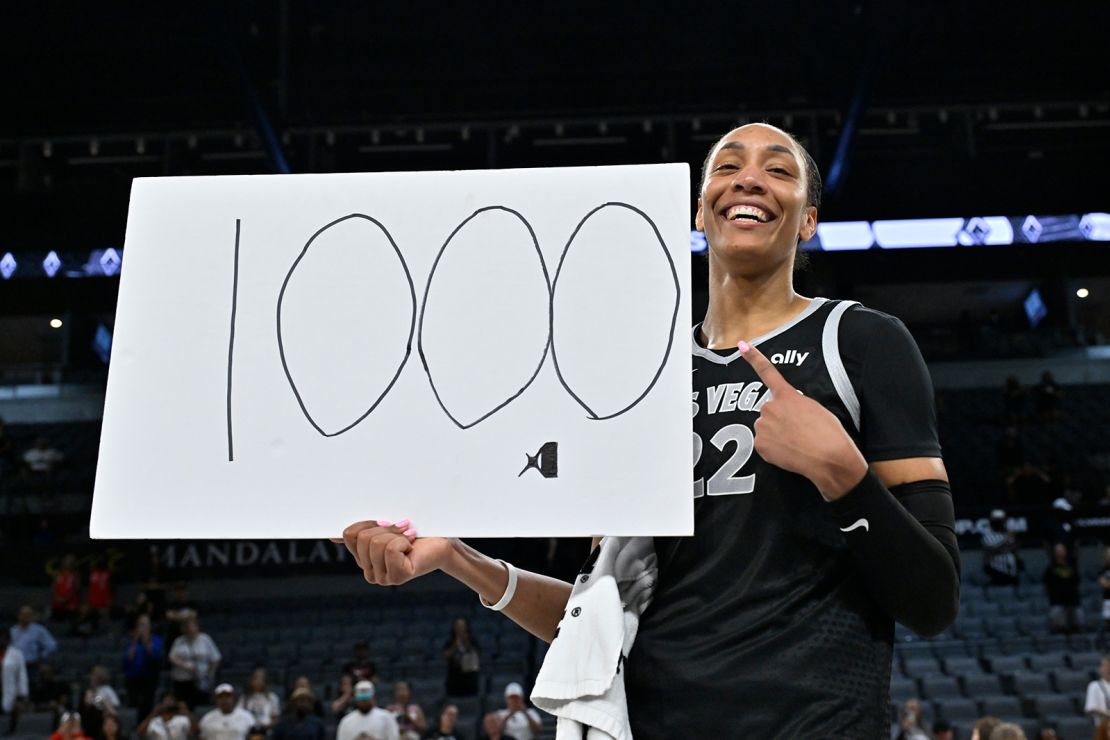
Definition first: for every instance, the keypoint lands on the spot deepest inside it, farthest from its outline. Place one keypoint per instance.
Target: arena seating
(998, 657)
(291, 637)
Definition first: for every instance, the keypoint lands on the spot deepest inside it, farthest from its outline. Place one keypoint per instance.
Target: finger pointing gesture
(798, 434)
(779, 386)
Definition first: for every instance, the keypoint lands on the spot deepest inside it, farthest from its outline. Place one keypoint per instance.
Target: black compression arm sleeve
(904, 543)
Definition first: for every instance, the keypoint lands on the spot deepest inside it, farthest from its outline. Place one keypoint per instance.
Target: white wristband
(510, 590)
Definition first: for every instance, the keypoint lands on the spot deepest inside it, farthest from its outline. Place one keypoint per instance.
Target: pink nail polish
(743, 346)
(403, 524)
(384, 523)
(409, 533)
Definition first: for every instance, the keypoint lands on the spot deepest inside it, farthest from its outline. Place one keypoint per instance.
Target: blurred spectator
(301, 723)
(142, 607)
(49, 694)
(142, 664)
(34, 641)
(361, 668)
(69, 728)
(1061, 585)
(42, 459)
(445, 725)
(179, 609)
(1098, 694)
(942, 730)
(463, 661)
(1059, 525)
(13, 679)
(263, 704)
(100, 692)
(110, 729)
(227, 721)
(491, 728)
(98, 701)
(1013, 401)
(302, 682)
(86, 622)
(910, 726)
(1047, 732)
(170, 720)
(66, 590)
(983, 727)
(1000, 561)
(99, 596)
(367, 720)
(521, 722)
(344, 697)
(409, 714)
(1008, 731)
(1046, 398)
(194, 660)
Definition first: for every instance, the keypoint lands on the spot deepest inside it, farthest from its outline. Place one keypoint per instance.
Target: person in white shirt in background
(101, 689)
(518, 721)
(194, 658)
(13, 678)
(367, 722)
(260, 701)
(227, 721)
(1098, 694)
(170, 720)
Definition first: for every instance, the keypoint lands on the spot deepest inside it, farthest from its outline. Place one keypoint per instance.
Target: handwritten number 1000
(416, 329)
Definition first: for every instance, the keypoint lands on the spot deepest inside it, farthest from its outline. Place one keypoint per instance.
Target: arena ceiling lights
(836, 236)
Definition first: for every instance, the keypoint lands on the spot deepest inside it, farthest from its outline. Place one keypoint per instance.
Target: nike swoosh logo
(856, 525)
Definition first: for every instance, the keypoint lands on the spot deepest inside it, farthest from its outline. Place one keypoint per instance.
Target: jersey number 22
(725, 482)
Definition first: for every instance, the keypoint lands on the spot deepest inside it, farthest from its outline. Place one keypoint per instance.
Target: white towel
(581, 681)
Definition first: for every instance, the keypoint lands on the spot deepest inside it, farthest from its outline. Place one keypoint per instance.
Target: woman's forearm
(538, 603)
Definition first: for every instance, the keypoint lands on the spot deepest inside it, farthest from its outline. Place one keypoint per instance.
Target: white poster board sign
(487, 353)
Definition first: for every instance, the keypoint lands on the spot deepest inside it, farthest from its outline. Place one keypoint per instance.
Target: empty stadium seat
(1085, 661)
(958, 709)
(1033, 624)
(902, 689)
(1071, 682)
(940, 687)
(1052, 705)
(1074, 727)
(1048, 661)
(978, 685)
(1006, 663)
(1026, 682)
(921, 666)
(1051, 643)
(1001, 706)
(40, 724)
(959, 665)
(1016, 645)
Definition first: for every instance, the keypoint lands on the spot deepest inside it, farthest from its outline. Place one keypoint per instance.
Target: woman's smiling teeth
(747, 212)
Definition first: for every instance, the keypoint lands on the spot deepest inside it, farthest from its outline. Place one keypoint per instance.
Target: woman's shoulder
(864, 329)
(859, 317)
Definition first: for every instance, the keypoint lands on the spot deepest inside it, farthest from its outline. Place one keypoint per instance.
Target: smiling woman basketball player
(822, 514)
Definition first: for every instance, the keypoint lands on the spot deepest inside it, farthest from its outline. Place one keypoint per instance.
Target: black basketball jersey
(759, 626)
